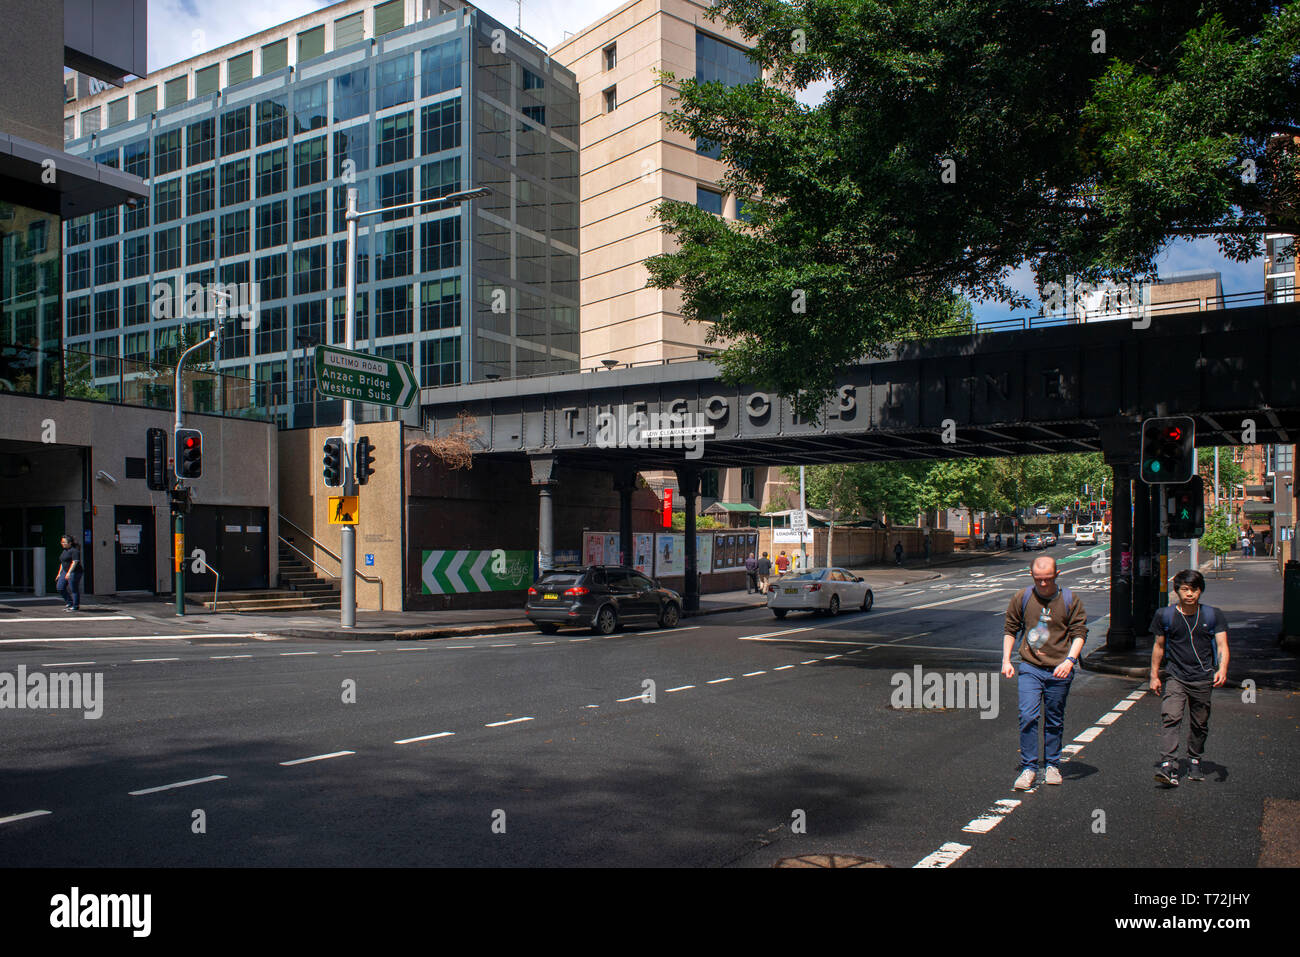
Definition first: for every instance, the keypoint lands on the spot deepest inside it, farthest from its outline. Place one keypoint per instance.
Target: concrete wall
(860, 547)
(239, 468)
(304, 500)
(31, 49)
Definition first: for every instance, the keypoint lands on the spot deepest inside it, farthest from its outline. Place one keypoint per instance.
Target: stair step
(269, 606)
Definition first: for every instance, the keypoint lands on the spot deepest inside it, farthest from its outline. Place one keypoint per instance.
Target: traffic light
(180, 501)
(334, 461)
(156, 460)
(189, 453)
(365, 463)
(1187, 510)
(1168, 450)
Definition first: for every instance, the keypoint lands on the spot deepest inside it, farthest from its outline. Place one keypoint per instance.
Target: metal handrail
(369, 580)
(216, 573)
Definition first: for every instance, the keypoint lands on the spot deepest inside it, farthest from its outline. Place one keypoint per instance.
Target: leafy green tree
(959, 140)
(1219, 535)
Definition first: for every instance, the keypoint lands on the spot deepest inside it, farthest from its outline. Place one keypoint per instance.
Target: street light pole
(178, 517)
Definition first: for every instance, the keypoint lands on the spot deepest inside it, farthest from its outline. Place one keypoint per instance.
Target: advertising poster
(449, 572)
(612, 556)
(593, 548)
(669, 559)
(704, 553)
(643, 560)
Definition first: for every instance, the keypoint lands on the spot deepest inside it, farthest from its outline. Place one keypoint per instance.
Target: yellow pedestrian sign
(345, 509)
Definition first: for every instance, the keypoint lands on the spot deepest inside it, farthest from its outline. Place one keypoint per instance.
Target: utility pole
(803, 549)
(178, 516)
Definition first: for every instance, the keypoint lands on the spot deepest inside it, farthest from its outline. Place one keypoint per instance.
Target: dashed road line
(497, 724)
(361, 651)
(227, 657)
(290, 654)
(992, 817)
(24, 816)
(944, 856)
(753, 674)
(426, 737)
(65, 664)
(179, 784)
(71, 618)
(139, 660)
(682, 688)
(315, 757)
(718, 681)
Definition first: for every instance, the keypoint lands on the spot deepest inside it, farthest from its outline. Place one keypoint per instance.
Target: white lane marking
(228, 657)
(782, 667)
(718, 681)
(771, 634)
(315, 757)
(1089, 735)
(459, 646)
(992, 817)
(580, 639)
(1070, 750)
(426, 737)
(497, 724)
(657, 631)
(1123, 705)
(808, 641)
(22, 817)
(503, 646)
(594, 705)
(904, 594)
(361, 651)
(65, 664)
(421, 648)
(831, 657)
(242, 634)
(290, 654)
(635, 697)
(179, 784)
(72, 619)
(944, 856)
(753, 673)
(682, 688)
(543, 642)
(810, 661)
(1109, 718)
(1136, 695)
(135, 660)
(868, 645)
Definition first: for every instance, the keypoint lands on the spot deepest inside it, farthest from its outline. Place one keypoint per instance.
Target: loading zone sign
(452, 572)
(341, 374)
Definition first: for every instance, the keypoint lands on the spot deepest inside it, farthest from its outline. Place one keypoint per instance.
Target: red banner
(668, 508)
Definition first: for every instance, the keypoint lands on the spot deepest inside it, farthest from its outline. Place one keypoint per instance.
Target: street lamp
(348, 614)
(178, 526)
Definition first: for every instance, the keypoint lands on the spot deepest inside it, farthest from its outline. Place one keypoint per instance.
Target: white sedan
(820, 590)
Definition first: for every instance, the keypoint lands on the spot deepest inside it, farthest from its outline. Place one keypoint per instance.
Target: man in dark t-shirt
(1189, 637)
(68, 583)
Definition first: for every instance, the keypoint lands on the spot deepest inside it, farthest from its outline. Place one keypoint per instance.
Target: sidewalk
(1247, 591)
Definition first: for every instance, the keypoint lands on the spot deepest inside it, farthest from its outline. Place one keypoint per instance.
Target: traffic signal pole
(348, 534)
(178, 517)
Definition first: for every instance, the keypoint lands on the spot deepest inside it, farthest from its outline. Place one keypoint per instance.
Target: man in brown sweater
(1055, 627)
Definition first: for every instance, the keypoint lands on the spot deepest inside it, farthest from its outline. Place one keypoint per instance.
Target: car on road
(1085, 535)
(1042, 510)
(1049, 539)
(1031, 542)
(603, 598)
(822, 590)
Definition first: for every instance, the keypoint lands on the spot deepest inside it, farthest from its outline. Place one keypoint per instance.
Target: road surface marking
(72, 619)
(227, 657)
(830, 657)
(22, 817)
(179, 784)
(154, 659)
(426, 737)
(944, 856)
(992, 817)
(418, 648)
(682, 688)
(1070, 750)
(361, 651)
(1136, 695)
(543, 642)
(635, 697)
(1123, 705)
(592, 705)
(1089, 735)
(497, 724)
(1109, 718)
(810, 661)
(580, 639)
(782, 667)
(459, 646)
(503, 646)
(718, 681)
(753, 673)
(771, 634)
(18, 641)
(810, 641)
(315, 757)
(65, 664)
(290, 654)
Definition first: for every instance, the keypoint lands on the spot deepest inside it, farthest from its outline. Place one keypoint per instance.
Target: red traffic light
(1174, 433)
(190, 442)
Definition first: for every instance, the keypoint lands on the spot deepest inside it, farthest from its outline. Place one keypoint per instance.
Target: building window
(719, 62)
(135, 159)
(341, 262)
(135, 305)
(198, 242)
(108, 158)
(79, 316)
(309, 164)
(239, 69)
(309, 269)
(389, 16)
(440, 68)
(177, 90)
(309, 216)
(309, 323)
(349, 29)
(106, 311)
(200, 142)
(440, 178)
(234, 338)
(393, 253)
(393, 138)
(234, 131)
(207, 80)
(90, 121)
(352, 144)
(79, 230)
(440, 304)
(611, 99)
(105, 264)
(440, 362)
(135, 346)
(166, 153)
(136, 257)
(272, 121)
(440, 127)
(137, 216)
(271, 277)
(275, 56)
(167, 249)
(394, 82)
(309, 111)
(708, 200)
(611, 56)
(271, 332)
(146, 102)
(360, 318)
(200, 192)
(271, 224)
(393, 189)
(392, 311)
(105, 223)
(272, 172)
(234, 182)
(234, 234)
(440, 243)
(167, 201)
(311, 43)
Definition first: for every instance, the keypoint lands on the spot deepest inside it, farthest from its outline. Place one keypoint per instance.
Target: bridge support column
(625, 484)
(688, 482)
(1119, 637)
(1142, 553)
(543, 467)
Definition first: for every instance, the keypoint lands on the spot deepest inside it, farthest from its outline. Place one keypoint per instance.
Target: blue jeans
(1037, 688)
(69, 586)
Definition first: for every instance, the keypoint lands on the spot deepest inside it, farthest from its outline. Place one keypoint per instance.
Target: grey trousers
(1178, 697)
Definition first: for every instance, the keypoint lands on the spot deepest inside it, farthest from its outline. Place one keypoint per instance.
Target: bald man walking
(1055, 627)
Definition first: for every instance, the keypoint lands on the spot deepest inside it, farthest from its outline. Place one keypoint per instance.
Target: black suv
(600, 597)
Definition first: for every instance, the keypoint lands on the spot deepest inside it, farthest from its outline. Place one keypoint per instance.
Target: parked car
(1085, 535)
(1042, 510)
(1049, 539)
(822, 590)
(1031, 542)
(600, 597)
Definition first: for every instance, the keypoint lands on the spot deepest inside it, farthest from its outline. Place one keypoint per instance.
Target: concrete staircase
(300, 590)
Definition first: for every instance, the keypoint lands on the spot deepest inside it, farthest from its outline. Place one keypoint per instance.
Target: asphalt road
(764, 740)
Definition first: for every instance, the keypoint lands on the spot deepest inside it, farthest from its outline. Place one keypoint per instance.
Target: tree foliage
(961, 139)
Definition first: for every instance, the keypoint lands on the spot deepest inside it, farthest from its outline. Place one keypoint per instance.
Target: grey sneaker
(1168, 774)
(1194, 773)
(1053, 774)
(1026, 779)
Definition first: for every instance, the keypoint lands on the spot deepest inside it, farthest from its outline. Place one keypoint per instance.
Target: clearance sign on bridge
(341, 374)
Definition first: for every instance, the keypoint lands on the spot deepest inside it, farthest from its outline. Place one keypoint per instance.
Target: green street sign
(341, 374)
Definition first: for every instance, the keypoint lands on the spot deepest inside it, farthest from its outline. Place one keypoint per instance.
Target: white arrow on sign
(453, 572)
(408, 385)
(476, 572)
(426, 572)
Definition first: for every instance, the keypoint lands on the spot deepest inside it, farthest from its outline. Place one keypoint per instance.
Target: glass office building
(247, 196)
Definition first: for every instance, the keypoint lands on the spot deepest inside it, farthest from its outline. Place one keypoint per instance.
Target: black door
(133, 535)
(231, 539)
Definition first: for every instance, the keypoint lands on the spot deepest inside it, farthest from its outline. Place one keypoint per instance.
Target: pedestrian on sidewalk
(926, 549)
(764, 571)
(1196, 639)
(782, 564)
(68, 582)
(898, 553)
(751, 574)
(1049, 654)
